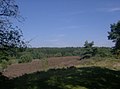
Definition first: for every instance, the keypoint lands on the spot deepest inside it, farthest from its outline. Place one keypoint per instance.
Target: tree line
(41, 53)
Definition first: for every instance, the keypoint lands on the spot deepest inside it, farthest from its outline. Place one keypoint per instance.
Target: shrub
(68, 54)
(4, 64)
(37, 55)
(25, 58)
(58, 55)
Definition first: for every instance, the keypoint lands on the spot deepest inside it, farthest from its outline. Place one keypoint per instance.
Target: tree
(114, 35)
(88, 45)
(89, 51)
(10, 35)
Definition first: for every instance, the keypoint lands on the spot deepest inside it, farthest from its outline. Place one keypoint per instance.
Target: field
(63, 73)
(16, 70)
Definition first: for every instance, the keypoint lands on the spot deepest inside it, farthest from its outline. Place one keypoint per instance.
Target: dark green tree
(114, 35)
(89, 50)
(10, 35)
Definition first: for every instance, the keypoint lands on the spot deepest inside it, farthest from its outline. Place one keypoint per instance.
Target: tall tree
(10, 35)
(114, 35)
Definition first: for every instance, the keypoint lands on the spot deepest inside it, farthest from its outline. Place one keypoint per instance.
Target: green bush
(12, 61)
(4, 64)
(37, 55)
(58, 55)
(3, 58)
(68, 54)
(103, 52)
(25, 58)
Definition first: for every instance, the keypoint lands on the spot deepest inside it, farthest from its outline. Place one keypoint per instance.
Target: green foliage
(4, 64)
(45, 64)
(12, 61)
(114, 35)
(103, 52)
(58, 55)
(89, 50)
(10, 35)
(68, 54)
(117, 53)
(25, 58)
(2, 57)
(88, 45)
(37, 55)
(40, 53)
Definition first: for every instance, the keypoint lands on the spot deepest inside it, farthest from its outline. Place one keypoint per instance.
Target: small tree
(114, 35)
(89, 51)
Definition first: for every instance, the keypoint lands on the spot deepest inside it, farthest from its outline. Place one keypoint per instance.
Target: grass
(110, 63)
(90, 74)
(45, 64)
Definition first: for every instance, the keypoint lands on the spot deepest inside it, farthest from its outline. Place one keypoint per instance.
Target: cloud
(114, 9)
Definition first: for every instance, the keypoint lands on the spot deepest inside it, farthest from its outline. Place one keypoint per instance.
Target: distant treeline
(39, 53)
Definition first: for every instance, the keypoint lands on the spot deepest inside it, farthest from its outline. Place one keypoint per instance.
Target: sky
(68, 23)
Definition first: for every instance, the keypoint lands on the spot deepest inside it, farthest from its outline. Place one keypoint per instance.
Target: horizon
(70, 47)
(68, 23)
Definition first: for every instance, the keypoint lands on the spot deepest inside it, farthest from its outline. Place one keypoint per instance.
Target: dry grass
(110, 63)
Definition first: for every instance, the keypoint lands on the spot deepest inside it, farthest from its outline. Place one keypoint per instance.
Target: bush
(58, 55)
(68, 54)
(12, 61)
(4, 64)
(3, 58)
(37, 55)
(103, 52)
(25, 58)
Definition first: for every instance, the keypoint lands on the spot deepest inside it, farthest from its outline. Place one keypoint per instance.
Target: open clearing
(16, 70)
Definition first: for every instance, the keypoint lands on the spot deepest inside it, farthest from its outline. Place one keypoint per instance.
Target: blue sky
(63, 23)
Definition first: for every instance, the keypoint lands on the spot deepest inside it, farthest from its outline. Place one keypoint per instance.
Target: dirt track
(16, 70)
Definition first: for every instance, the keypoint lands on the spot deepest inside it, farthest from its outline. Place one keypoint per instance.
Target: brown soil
(16, 70)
